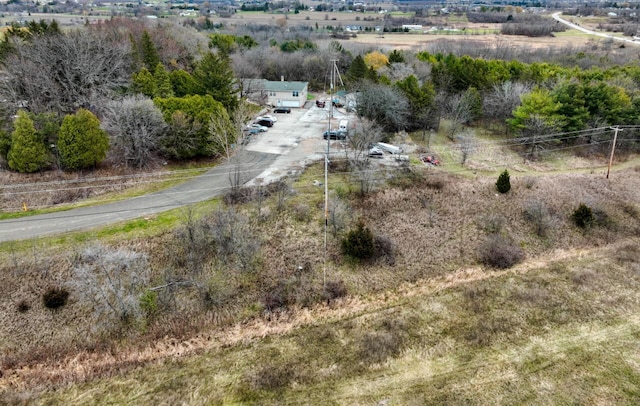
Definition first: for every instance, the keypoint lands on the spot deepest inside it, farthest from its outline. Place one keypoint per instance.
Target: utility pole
(613, 148)
(326, 174)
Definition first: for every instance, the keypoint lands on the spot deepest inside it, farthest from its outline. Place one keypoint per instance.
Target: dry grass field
(433, 325)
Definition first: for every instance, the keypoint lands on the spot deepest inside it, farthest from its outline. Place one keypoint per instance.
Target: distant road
(557, 17)
(211, 184)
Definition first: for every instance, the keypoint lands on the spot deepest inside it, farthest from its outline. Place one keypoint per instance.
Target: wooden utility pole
(613, 148)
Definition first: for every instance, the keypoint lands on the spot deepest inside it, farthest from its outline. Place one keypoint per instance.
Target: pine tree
(27, 152)
(145, 83)
(215, 77)
(357, 70)
(504, 183)
(162, 82)
(81, 142)
(150, 55)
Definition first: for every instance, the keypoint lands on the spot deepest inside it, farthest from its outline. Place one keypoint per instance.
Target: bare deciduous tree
(467, 144)
(385, 105)
(136, 128)
(111, 279)
(366, 134)
(62, 73)
(500, 102)
(458, 111)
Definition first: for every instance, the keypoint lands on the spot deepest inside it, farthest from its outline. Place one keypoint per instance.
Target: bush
(54, 298)
(334, 290)
(384, 249)
(359, 242)
(583, 216)
(500, 253)
(537, 213)
(504, 183)
(23, 306)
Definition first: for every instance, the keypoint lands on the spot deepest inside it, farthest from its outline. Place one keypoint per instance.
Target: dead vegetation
(429, 226)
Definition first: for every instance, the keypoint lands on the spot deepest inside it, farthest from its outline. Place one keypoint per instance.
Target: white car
(258, 127)
(268, 117)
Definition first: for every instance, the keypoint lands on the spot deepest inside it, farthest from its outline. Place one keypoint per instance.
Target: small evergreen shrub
(583, 216)
(359, 242)
(504, 182)
(54, 298)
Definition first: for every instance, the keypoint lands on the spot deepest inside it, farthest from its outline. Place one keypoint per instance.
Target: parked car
(335, 135)
(260, 128)
(320, 103)
(282, 110)
(252, 131)
(268, 117)
(265, 122)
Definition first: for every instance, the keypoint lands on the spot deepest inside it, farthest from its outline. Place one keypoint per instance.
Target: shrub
(359, 242)
(385, 249)
(55, 297)
(537, 213)
(23, 306)
(334, 290)
(504, 183)
(492, 223)
(280, 296)
(583, 216)
(498, 252)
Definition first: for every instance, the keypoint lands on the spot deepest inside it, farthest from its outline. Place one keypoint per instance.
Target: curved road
(293, 138)
(556, 16)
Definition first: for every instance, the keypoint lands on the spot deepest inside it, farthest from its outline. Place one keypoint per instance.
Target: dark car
(265, 122)
(282, 110)
(320, 103)
(335, 135)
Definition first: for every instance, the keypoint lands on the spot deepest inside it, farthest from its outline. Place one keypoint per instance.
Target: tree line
(132, 94)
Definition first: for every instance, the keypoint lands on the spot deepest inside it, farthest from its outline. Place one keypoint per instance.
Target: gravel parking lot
(297, 139)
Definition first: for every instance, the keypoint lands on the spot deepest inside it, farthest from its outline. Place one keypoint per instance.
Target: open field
(435, 326)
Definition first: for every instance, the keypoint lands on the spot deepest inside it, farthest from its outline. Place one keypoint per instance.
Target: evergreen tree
(215, 77)
(162, 82)
(357, 70)
(144, 82)
(27, 152)
(81, 142)
(150, 55)
(504, 182)
(183, 83)
(396, 57)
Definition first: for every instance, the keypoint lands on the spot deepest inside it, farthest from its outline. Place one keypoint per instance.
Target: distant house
(276, 93)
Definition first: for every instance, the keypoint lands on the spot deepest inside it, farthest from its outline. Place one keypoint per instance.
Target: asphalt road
(296, 137)
(557, 17)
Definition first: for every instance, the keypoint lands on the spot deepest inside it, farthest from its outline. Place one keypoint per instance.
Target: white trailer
(392, 149)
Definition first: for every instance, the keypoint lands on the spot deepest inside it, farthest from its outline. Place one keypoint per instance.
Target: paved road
(557, 17)
(294, 138)
(204, 187)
